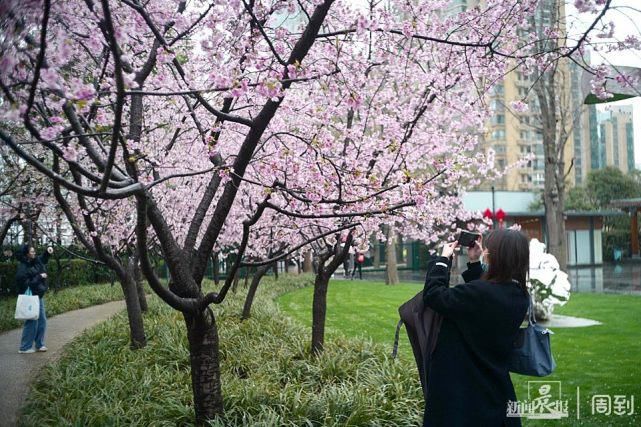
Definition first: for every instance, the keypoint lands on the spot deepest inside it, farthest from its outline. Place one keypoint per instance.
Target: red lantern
(487, 213)
(500, 215)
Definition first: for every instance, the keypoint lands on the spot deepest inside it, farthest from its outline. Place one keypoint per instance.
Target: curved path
(18, 370)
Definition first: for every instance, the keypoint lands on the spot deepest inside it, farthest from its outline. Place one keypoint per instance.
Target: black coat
(29, 275)
(468, 379)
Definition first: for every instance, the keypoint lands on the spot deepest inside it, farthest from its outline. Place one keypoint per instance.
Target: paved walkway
(560, 321)
(61, 329)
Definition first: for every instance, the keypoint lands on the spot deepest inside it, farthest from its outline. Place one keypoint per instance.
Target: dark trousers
(360, 270)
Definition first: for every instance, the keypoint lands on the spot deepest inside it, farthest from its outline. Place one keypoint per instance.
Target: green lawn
(600, 360)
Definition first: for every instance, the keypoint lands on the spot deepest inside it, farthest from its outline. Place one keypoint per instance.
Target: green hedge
(615, 238)
(68, 272)
(68, 299)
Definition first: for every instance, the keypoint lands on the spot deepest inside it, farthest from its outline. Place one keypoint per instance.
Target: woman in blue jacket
(32, 274)
(468, 383)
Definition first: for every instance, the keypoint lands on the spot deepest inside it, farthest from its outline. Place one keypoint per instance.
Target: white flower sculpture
(547, 284)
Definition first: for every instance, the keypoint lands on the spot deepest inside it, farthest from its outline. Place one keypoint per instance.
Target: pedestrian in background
(32, 275)
(359, 260)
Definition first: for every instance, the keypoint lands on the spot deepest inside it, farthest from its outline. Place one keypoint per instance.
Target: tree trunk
(555, 223)
(134, 313)
(216, 269)
(307, 262)
(391, 269)
(376, 252)
(399, 249)
(58, 227)
(319, 310)
(258, 275)
(555, 111)
(275, 270)
(134, 270)
(27, 232)
(319, 302)
(202, 334)
(4, 230)
(234, 284)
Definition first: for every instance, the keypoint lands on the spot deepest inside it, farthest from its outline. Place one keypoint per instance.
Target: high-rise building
(595, 139)
(513, 135)
(615, 139)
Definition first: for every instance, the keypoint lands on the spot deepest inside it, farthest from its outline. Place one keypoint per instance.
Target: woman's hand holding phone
(449, 249)
(474, 253)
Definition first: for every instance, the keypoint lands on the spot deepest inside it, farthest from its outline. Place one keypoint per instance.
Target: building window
(629, 140)
(615, 141)
(525, 149)
(499, 134)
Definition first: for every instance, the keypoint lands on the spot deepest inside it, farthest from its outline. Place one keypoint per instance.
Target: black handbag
(532, 354)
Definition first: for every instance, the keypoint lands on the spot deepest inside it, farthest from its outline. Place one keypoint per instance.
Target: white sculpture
(548, 285)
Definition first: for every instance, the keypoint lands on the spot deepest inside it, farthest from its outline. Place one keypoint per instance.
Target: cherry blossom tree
(105, 228)
(341, 120)
(23, 196)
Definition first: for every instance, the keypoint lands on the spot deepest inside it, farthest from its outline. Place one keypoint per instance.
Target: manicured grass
(61, 301)
(603, 359)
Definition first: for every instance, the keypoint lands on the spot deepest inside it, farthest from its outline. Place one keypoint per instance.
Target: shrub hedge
(69, 272)
(67, 299)
(269, 377)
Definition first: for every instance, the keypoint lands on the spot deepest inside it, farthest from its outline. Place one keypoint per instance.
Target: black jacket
(28, 275)
(468, 380)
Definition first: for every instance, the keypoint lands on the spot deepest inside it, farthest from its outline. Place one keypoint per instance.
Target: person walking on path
(32, 275)
(468, 383)
(359, 259)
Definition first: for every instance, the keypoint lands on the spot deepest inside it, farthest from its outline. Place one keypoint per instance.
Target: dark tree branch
(108, 28)
(39, 64)
(340, 215)
(297, 247)
(217, 298)
(119, 193)
(256, 22)
(186, 305)
(245, 154)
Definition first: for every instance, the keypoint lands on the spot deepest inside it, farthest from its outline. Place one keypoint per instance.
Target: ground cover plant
(270, 376)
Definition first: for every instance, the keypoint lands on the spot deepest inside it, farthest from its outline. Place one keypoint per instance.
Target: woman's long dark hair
(509, 256)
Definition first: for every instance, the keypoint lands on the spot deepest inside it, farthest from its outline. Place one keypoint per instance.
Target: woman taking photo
(468, 383)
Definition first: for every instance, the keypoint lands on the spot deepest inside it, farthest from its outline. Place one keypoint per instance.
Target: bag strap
(530, 311)
(28, 291)
(398, 329)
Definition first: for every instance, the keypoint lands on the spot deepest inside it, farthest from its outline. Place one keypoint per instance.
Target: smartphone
(467, 239)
